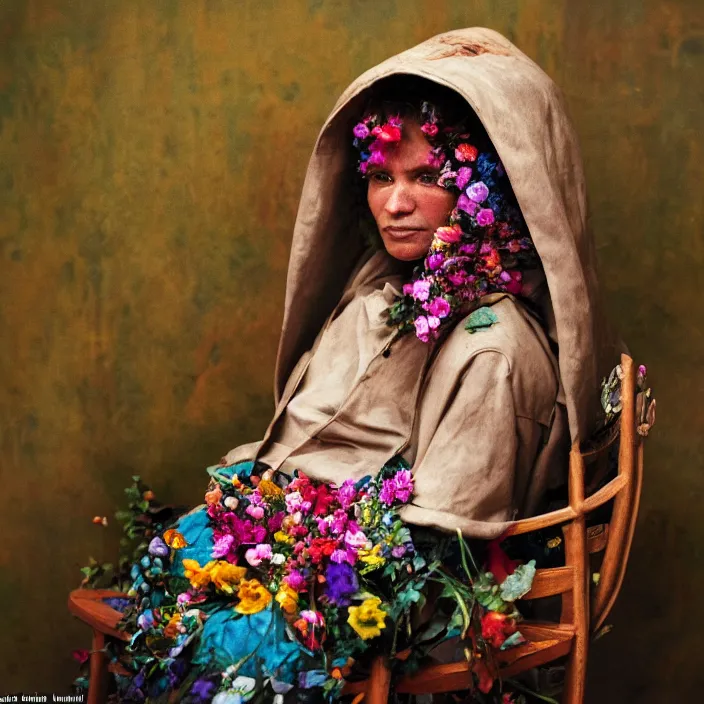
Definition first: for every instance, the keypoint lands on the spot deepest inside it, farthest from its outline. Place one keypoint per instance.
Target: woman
(468, 342)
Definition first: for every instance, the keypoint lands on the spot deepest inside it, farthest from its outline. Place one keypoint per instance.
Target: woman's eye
(379, 177)
(428, 179)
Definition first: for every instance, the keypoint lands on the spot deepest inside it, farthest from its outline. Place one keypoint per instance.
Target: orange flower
(198, 576)
(225, 576)
(174, 539)
(269, 489)
(213, 496)
(253, 596)
(287, 599)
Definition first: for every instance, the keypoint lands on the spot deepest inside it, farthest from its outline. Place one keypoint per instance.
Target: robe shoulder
(506, 327)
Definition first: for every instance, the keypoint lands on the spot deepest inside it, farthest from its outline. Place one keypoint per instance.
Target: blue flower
(202, 689)
(341, 583)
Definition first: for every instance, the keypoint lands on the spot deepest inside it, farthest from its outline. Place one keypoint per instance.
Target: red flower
(81, 655)
(466, 152)
(389, 133)
(322, 501)
(496, 628)
(321, 547)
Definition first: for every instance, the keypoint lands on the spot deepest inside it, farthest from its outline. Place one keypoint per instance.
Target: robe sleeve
(474, 455)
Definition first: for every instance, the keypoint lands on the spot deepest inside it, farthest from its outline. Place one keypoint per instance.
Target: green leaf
(519, 583)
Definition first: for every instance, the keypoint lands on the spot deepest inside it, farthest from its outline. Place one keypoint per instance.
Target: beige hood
(525, 115)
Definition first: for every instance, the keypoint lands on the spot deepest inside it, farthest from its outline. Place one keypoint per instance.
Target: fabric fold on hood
(525, 116)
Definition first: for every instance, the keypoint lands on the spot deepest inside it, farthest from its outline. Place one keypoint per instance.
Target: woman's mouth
(402, 233)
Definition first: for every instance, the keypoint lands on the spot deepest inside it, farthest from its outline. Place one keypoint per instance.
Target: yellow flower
(269, 489)
(367, 619)
(224, 575)
(371, 557)
(198, 576)
(287, 599)
(253, 596)
(281, 537)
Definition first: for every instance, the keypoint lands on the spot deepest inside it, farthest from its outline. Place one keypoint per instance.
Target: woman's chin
(406, 251)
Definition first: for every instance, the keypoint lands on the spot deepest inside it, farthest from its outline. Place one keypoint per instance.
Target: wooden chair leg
(98, 670)
(379, 682)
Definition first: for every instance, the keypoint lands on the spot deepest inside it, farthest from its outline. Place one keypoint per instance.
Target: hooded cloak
(485, 419)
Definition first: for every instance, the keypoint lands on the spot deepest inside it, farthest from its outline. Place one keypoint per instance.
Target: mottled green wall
(151, 156)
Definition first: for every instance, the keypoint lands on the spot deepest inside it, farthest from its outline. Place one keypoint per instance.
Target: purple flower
(485, 217)
(464, 173)
(439, 307)
(360, 131)
(478, 192)
(202, 689)
(469, 248)
(341, 583)
(407, 289)
(146, 620)
(387, 495)
(421, 290)
(376, 158)
(464, 203)
(158, 547)
(340, 555)
(398, 551)
(435, 261)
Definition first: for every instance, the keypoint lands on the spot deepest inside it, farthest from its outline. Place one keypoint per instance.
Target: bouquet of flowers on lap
(283, 589)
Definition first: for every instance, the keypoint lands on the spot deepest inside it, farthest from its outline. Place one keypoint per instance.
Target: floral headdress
(485, 245)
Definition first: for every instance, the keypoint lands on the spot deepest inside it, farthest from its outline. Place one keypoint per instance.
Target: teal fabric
(226, 634)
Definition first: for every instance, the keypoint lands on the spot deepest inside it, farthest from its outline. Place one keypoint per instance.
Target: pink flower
(355, 540)
(478, 191)
(421, 290)
(339, 518)
(395, 121)
(485, 217)
(376, 131)
(361, 131)
(466, 152)
(470, 248)
(403, 482)
(457, 279)
(255, 556)
(407, 289)
(464, 173)
(363, 167)
(429, 128)
(323, 526)
(449, 234)
(222, 545)
(339, 556)
(422, 328)
(439, 307)
(294, 502)
(347, 493)
(256, 512)
(433, 323)
(313, 617)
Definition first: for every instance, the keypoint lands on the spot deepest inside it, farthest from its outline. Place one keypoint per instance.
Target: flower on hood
(485, 217)
(466, 152)
(464, 173)
(360, 131)
(449, 234)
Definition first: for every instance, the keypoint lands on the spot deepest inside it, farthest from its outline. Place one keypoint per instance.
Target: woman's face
(404, 197)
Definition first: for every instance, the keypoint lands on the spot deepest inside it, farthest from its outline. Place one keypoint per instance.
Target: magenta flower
(421, 290)
(457, 279)
(222, 545)
(515, 286)
(478, 192)
(376, 158)
(347, 493)
(363, 167)
(395, 121)
(439, 307)
(469, 248)
(433, 323)
(485, 217)
(464, 203)
(429, 128)
(360, 131)
(464, 173)
(407, 289)
(403, 480)
(435, 261)
(294, 502)
(295, 580)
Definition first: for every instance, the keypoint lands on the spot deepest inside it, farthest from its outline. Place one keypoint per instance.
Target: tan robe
(485, 419)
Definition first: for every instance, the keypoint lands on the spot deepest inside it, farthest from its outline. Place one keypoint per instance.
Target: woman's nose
(400, 200)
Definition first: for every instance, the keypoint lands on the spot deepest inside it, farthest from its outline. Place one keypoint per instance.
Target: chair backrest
(591, 487)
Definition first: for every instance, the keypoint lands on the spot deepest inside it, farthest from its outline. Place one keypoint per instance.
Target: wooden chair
(585, 606)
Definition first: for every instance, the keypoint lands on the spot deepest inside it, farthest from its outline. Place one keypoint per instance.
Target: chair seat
(545, 642)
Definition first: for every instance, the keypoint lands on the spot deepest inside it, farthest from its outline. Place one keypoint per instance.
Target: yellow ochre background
(151, 159)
